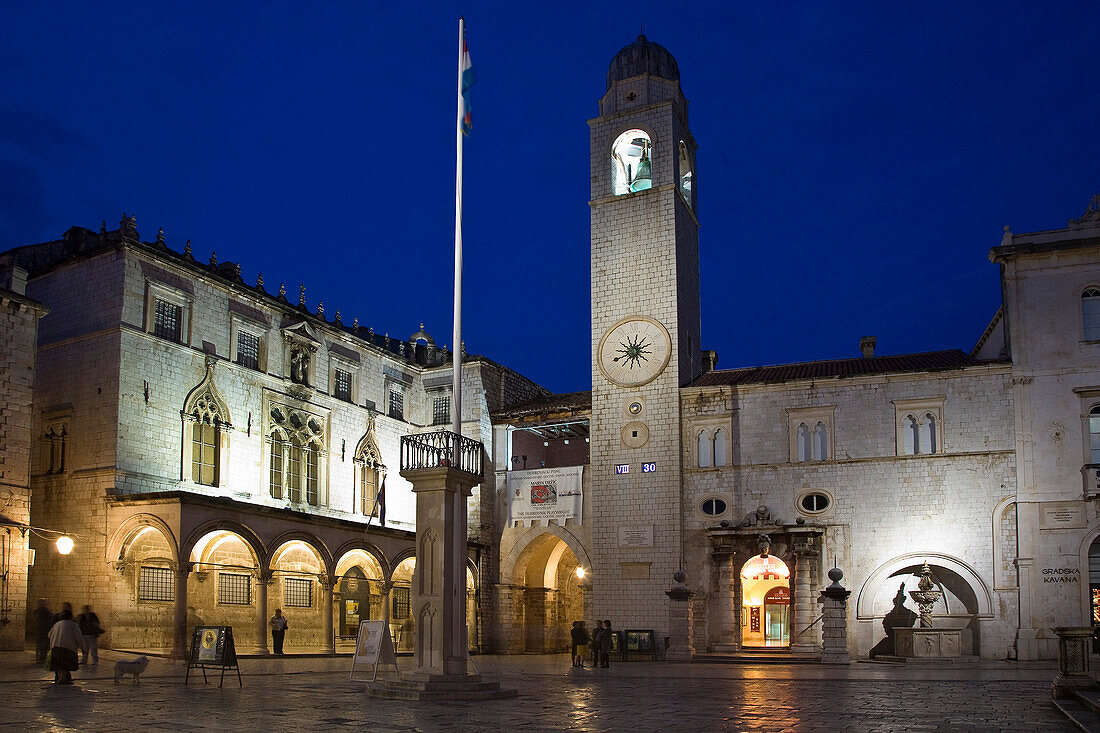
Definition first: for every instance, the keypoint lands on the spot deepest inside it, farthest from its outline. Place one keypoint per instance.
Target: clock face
(634, 351)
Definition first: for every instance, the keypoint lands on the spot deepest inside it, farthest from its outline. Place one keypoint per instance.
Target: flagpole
(456, 379)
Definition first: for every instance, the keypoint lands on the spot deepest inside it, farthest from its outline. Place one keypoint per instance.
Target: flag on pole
(468, 79)
(381, 503)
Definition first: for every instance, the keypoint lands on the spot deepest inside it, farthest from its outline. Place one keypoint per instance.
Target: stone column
(328, 643)
(1073, 661)
(180, 638)
(680, 642)
(802, 611)
(834, 621)
(728, 598)
(439, 584)
(260, 645)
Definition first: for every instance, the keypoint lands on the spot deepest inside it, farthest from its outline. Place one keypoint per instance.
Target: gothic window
(805, 449)
(686, 173)
(297, 444)
(1094, 435)
(204, 453)
(631, 162)
(368, 490)
(342, 385)
(370, 470)
(811, 433)
(705, 449)
(821, 443)
(278, 452)
(920, 426)
(206, 422)
(441, 410)
(396, 403)
(721, 448)
(911, 436)
(1090, 314)
(167, 320)
(248, 349)
(56, 441)
(926, 434)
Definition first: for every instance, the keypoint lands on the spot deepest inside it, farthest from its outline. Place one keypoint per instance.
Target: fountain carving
(926, 596)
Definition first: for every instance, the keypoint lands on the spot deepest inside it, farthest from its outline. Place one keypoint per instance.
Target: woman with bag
(90, 630)
(65, 641)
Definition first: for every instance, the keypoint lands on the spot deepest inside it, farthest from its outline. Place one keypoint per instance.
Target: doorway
(766, 602)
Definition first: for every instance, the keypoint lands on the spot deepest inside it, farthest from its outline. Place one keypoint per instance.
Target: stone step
(478, 691)
(1090, 699)
(894, 659)
(757, 658)
(1081, 715)
(440, 686)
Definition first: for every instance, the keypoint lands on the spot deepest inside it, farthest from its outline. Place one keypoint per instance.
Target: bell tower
(645, 331)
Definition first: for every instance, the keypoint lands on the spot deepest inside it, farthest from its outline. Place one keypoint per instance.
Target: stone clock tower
(645, 331)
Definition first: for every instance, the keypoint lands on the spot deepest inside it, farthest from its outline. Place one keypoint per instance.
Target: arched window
(686, 173)
(821, 442)
(368, 490)
(204, 452)
(706, 450)
(805, 449)
(631, 162)
(721, 448)
(929, 429)
(1090, 314)
(1094, 435)
(206, 421)
(371, 472)
(910, 435)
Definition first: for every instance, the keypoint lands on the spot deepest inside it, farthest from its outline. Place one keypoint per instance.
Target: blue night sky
(856, 162)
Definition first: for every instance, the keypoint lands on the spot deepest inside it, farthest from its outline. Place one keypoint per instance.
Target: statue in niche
(761, 517)
(898, 617)
(299, 366)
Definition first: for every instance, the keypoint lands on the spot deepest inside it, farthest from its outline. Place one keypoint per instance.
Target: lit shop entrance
(766, 594)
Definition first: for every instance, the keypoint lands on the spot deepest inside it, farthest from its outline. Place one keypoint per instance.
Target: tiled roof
(932, 361)
(570, 401)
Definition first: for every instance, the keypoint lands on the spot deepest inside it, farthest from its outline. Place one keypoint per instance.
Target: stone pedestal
(934, 643)
(728, 598)
(1073, 661)
(834, 621)
(681, 647)
(803, 639)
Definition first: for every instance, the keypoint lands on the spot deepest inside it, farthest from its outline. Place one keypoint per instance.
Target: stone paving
(316, 694)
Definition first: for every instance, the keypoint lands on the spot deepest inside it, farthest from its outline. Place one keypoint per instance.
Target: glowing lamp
(580, 573)
(64, 544)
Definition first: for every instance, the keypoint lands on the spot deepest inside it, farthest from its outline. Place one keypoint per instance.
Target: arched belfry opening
(632, 162)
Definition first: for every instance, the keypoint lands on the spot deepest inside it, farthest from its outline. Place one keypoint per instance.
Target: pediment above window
(303, 334)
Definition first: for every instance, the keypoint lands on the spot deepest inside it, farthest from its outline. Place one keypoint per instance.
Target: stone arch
(508, 563)
(982, 596)
(206, 390)
(251, 539)
(999, 581)
(314, 542)
(131, 528)
(400, 558)
(1092, 534)
(345, 550)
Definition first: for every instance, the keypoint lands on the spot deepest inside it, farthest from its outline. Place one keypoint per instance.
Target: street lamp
(64, 544)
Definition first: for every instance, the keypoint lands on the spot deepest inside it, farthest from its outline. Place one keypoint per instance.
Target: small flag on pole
(381, 503)
(468, 79)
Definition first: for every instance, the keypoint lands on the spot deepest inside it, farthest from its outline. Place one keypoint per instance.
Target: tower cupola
(642, 57)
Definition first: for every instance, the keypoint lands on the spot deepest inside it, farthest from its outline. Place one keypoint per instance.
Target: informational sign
(212, 646)
(622, 468)
(649, 467)
(640, 641)
(374, 649)
(545, 493)
(1062, 515)
(1061, 575)
(636, 535)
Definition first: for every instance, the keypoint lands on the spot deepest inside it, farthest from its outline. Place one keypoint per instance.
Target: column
(728, 594)
(802, 613)
(328, 643)
(680, 643)
(180, 638)
(260, 646)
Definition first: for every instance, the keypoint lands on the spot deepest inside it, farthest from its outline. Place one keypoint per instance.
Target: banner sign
(374, 647)
(545, 493)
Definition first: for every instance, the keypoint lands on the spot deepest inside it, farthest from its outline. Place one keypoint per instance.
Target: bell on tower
(631, 168)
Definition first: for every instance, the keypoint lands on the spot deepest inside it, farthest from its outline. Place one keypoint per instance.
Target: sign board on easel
(373, 648)
(212, 646)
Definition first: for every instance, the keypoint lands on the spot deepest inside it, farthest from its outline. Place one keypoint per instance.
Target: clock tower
(645, 331)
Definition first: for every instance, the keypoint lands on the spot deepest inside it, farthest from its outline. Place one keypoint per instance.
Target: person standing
(43, 620)
(605, 643)
(279, 625)
(90, 630)
(65, 641)
(597, 636)
(575, 642)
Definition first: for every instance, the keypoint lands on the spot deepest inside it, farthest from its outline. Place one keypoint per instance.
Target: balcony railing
(441, 448)
(1090, 472)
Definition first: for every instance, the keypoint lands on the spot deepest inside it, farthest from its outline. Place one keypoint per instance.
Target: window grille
(167, 320)
(342, 390)
(248, 350)
(234, 589)
(204, 454)
(298, 593)
(397, 404)
(441, 410)
(156, 584)
(401, 603)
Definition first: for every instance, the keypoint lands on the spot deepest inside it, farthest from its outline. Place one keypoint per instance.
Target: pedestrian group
(59, 638)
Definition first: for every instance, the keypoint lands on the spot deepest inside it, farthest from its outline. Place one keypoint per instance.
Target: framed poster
(212, 646)
(373, 647)
(640, 641)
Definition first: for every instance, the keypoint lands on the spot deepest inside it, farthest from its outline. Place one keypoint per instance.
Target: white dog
(132, 667)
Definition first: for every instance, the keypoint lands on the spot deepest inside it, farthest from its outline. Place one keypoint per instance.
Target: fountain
(928, 643)
(925, 596)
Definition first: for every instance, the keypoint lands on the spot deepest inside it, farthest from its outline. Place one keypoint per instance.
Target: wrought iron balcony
(441, 448)
(1090, 472)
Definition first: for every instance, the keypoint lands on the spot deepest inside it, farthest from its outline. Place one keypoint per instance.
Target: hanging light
(580, 573)
(65, 544)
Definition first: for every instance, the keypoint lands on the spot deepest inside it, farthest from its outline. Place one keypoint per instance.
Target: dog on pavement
(132, 667)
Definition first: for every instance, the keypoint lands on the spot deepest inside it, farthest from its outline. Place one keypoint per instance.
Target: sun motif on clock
(634, 351)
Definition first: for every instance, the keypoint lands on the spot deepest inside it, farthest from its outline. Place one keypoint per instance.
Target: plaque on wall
(1062, 515)
(637, 535)
(634, 570)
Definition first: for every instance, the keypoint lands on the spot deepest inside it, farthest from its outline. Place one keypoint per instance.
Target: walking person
(597, 637)
(279, 625)
(605, 643)
(90, 630)
(43, 620)
(65, 641)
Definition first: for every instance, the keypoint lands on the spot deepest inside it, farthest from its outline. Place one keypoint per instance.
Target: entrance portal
(766, 594)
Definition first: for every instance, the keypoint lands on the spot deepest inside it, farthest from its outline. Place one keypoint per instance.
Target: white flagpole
(456, 381)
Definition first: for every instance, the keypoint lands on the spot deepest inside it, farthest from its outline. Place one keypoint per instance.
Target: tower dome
(642, 57)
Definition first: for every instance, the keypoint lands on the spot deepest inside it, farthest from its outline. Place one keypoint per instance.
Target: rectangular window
(311, 475)
(298, 593)
(294, 474)
(342, 388)
(397, 404)
(277, 449)
(441, 410)
(156, 584)
(234, 589)
(248, 350)
(368, 490)
(401, 603)
(167, 320)
(204, 462)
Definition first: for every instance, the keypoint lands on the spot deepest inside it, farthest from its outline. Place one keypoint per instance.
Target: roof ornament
(103, 227)
(260, 280)
(370, 333)
(128, 225)
(355, 326)
(387, 339)
(237, 270)
(336, 321)
(1091, 215)
(213, 258)
(160, 237)
(1006, 238)
(301, 295)
(321, 308)
(282, 289)
(187, 248)
(464, 347)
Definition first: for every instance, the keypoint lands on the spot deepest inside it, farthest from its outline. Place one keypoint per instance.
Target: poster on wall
(545, 493)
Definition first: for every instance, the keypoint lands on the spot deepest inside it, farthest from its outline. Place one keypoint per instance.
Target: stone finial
(160, 235)
(337, 320)
(422, 325)
(387, 339)
(237, 269)
(464, 347)
(301, 295)
(282, 289)
(370, 333)
(321, 308)
(401, 349)
(187, 248)
(1006, 238)
(259, 280)
(213, 258)
(355, 325)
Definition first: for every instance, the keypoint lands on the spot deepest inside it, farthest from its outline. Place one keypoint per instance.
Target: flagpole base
(431, 687)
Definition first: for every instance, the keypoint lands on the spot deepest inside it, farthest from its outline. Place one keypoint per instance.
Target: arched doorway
(766, 602)
(402, 625)
(359, 592)
(547, 595)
